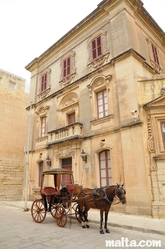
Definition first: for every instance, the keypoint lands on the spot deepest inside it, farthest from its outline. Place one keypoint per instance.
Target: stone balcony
(73, 131)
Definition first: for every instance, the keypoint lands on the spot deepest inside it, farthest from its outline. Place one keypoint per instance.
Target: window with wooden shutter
(44, 80)
(155, 54)
(96, 47)
(43, 126)
(102, 104)
(66, 67)
(105, 168)
(163, 133)
(71, 118)
(40, 170)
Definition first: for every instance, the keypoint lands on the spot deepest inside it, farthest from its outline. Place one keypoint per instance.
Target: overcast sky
(29, 27)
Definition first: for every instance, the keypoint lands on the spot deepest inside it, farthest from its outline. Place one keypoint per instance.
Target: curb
(128, 227)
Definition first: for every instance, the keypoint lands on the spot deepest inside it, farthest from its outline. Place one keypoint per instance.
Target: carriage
(59, 200)
(66, 196)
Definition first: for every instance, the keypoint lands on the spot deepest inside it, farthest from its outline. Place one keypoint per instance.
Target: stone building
(99, 91)
(13, 129)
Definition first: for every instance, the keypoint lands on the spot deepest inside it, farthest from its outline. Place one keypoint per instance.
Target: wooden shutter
(155, 54)
(71, 118)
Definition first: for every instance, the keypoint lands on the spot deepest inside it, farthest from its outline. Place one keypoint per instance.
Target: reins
(102, 198)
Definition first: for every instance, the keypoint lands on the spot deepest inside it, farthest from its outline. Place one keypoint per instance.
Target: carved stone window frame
(94, 64)
(154, 65)
(40, 113)
(69, 104)
(69, 79)
(156, 121)
(98, 84)
(42, 95)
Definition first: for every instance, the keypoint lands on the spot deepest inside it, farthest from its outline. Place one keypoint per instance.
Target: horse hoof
(107, 231)
(83, 226)
(87, 226)
(101, 232)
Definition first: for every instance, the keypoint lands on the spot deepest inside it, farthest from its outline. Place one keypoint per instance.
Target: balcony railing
(68, 132)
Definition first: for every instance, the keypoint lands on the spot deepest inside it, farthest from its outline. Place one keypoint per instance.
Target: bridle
(118, 192)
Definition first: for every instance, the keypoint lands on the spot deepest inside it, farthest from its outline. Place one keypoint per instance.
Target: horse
(99, 198)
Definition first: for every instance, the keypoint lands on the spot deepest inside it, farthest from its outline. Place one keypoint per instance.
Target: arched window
(105, 168)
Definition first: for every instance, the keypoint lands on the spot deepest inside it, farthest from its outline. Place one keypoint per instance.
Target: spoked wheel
(60, 216)
(53, 211)
(38, 211)
(77, 214)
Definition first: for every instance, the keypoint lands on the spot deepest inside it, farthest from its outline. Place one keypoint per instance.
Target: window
(71, 118)
(44, 81)
(96, 47)
(163, 132)
(43, 126)
(66, 67)
(102, 104)
(12, 85)
(40, 170)
(155, 54)
(105, 168)
(67, 164)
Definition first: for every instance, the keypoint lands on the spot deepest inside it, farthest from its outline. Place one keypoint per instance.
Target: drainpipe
(27, 159)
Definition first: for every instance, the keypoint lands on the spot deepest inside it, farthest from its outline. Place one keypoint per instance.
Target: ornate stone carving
(105, 49)
(162, 91)
(151, 146)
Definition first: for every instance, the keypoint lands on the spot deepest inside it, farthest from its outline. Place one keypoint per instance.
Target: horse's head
(120, 193)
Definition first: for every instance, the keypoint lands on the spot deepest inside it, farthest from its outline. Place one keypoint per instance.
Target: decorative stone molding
(151, 146)
(65, 152)
(162, 91)
(92, 65)
(42, 111)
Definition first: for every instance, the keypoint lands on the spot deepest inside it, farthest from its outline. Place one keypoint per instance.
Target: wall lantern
(48, 161)
(83, 156)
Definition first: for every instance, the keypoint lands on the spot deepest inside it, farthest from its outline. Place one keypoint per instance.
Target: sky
(29, 27)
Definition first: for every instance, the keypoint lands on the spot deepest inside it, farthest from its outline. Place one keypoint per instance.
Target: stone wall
(13, 127)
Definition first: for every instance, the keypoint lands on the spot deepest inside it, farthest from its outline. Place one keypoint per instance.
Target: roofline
(14, 75)
(93, 13)
(83, 21)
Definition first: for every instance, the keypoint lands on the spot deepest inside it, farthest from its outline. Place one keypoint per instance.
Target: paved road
(18, 230)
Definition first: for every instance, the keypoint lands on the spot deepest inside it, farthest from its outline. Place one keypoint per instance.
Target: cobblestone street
(18, 230)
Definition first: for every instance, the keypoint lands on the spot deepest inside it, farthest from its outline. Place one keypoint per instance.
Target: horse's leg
(106, 219)
(101, 221)
(86, 216)
(82, 214)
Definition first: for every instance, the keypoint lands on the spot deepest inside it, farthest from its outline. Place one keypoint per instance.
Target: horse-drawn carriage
(57, 200)
(66, 196)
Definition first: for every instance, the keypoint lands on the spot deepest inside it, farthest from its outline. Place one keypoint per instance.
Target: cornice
(139, 11)
(147, 19)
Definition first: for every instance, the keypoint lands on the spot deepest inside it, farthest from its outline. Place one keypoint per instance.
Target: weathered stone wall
(13, 101)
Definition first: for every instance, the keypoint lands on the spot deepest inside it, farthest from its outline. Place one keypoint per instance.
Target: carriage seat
(49, 191)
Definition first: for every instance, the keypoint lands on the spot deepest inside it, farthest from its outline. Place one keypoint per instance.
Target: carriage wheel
(77, 214)
(53, 211)
(60, 216)
(38, 211)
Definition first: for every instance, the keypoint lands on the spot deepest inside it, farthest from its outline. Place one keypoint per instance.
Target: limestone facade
(13, 125)
(99, 89)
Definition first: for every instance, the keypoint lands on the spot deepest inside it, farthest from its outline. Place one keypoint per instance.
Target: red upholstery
(70, 188)
(49, 191)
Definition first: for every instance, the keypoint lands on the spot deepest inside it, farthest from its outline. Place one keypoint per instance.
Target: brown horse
(100, 198)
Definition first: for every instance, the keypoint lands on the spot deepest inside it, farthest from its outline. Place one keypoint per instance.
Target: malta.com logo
(125, 242)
